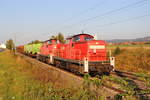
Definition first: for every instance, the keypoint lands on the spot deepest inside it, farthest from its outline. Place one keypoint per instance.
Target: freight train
(80, 54)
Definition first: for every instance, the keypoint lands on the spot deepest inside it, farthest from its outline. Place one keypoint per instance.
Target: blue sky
(27, 20)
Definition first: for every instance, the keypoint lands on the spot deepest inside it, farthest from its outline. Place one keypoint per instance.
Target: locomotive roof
(78, 35)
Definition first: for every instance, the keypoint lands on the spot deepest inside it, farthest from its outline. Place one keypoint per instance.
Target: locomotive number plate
(97, 47)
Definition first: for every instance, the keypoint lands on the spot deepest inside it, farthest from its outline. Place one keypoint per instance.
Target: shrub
(117, 51)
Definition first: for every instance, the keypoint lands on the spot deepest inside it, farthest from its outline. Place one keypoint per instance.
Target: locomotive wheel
(57, 63)
(47, 60)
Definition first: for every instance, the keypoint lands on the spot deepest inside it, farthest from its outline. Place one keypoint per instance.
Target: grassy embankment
(22, 81)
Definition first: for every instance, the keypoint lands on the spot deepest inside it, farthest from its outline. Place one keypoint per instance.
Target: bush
(117, 51)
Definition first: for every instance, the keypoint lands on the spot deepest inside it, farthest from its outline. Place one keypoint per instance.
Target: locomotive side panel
(79, 51)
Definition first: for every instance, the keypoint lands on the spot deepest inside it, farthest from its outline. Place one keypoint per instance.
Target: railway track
(105, 86)
(130, 76)
(140, 85)
(126, 74)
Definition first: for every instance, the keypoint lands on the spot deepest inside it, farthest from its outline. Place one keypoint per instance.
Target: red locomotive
(47, 51)
(81, 53)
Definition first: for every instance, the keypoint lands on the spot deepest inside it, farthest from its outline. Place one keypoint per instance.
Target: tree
(10, 44)
(60, 37)
(53, 37)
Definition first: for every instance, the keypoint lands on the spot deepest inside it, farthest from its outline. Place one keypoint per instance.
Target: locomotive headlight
(96, 47)
(54, 47)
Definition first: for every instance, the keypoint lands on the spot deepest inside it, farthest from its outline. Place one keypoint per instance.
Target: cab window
(76, 39)
(88, 38)
(49, 42)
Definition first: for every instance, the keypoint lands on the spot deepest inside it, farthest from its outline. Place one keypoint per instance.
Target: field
(134, 58)
(146, 46)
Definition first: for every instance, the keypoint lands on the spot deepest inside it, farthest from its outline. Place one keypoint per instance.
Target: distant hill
(129, 40)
